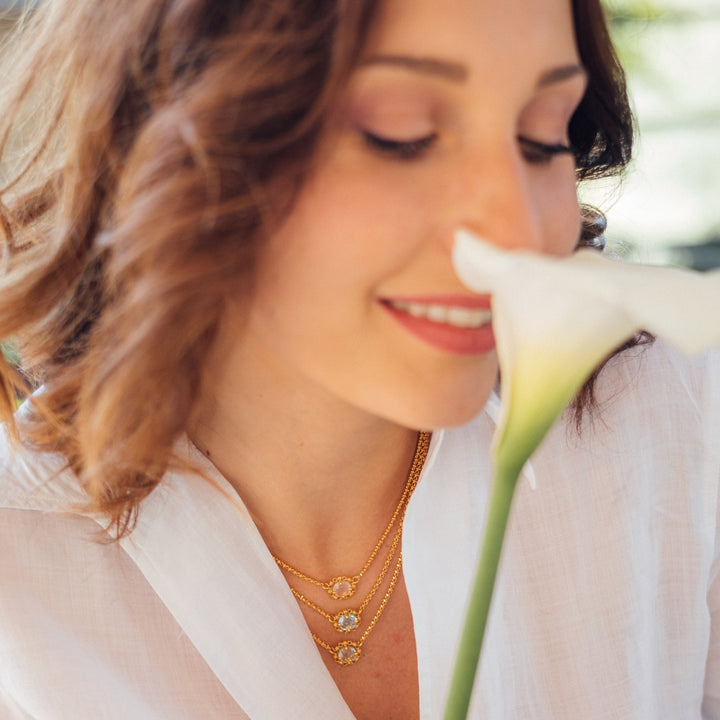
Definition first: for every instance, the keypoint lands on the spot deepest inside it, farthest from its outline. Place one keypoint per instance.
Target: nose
(497, 200)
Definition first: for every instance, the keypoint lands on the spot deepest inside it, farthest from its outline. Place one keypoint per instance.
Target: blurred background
(671, 194)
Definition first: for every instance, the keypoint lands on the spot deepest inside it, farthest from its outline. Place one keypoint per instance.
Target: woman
(228, 264)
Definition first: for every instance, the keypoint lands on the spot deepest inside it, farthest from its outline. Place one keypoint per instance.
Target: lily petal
(555, 319)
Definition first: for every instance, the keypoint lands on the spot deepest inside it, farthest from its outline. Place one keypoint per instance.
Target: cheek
(349, 225)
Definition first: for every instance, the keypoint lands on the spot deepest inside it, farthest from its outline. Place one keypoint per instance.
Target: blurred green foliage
(627, 19)
(623, 11)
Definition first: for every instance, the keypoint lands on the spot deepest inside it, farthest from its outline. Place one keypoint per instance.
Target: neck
(321, 478)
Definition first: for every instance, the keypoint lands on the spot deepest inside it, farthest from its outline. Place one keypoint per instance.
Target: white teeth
(437, 313)
(449, 315)
(465, 317)
(413, 309)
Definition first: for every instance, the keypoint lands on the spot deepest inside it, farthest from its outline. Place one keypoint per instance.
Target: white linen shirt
(607, 603)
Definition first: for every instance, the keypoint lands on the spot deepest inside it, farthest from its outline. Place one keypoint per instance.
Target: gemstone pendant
(347, 620)
(341, 588)
(346, 653)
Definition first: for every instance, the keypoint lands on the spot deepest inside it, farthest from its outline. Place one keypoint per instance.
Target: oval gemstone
(342, 588)
(347, 654)
(347, 621)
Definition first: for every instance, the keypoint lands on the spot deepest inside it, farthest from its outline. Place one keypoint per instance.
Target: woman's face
(456, 116)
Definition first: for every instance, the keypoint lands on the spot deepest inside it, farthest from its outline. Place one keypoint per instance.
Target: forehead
(482, 34)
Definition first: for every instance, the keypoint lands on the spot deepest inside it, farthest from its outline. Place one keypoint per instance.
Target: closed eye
(399, 149)
(541, 153)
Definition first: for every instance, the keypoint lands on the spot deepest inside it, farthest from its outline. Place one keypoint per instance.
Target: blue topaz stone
(347, 654)
(347, 620)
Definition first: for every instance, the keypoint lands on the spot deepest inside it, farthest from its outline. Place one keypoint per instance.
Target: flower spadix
(556, 318)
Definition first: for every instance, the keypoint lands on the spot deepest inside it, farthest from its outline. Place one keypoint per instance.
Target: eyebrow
(560, 74)
(457, 72)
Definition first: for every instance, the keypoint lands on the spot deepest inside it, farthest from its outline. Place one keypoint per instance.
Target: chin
(449, 418)
(443, 412)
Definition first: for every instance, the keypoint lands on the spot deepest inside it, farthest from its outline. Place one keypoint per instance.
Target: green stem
(477, 613)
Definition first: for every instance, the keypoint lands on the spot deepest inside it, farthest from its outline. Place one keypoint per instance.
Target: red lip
(449, 338)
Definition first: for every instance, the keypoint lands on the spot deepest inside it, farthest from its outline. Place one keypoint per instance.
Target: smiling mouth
(459, 317)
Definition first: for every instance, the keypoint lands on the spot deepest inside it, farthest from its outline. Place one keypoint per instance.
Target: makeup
(456, 324)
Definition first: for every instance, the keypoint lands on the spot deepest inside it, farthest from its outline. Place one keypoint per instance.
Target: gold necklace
(344, 586)
(348, 652)
(349, 619)
(341, 587)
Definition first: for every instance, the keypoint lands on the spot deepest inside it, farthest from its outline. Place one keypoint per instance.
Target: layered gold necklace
(343, 587)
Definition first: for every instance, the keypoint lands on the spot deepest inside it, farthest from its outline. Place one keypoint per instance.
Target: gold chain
(344, 586)
(349, 619)
(348, 651)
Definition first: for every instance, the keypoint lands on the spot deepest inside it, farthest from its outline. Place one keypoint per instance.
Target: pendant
(347, 621)
(346, 653)
(341, 587)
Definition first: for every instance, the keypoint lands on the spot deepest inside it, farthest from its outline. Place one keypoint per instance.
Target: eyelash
(540, 153)
(534, 151)
(399, 149)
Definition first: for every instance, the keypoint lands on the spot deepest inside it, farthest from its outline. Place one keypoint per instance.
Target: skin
(315, 390)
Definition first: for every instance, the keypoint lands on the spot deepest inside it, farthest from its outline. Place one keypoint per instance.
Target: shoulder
(40, 510)
(661, 385)
(34, 480)
(40, 506)
(652, 436)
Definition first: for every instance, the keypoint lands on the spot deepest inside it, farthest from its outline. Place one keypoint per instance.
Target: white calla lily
(555, 319)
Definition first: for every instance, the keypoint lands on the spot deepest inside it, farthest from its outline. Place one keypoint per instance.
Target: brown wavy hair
(167, 139)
